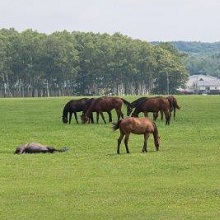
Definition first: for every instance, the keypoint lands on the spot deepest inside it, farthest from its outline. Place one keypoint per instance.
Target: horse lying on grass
(136, 126)
(32, 148)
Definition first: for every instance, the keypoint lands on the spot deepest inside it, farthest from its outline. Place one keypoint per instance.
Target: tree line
(77, 63)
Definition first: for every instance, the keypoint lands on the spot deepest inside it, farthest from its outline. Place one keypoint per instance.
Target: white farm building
(201, 84)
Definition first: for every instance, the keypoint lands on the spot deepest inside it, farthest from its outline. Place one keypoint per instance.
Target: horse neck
(66, 110)
(135, 103)
(88, 110)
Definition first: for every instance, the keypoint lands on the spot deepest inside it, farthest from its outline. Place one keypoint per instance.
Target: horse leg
(103, 118)
(155, 115)
(126, 142)
(174, 113)
(119, 142)
(110, 116)
(119, 114)
(91, 118)
(75, 115)
(146, 114)
(167, 115)
(161, 114)
(146, 136)
(97, 117)
(70, 117)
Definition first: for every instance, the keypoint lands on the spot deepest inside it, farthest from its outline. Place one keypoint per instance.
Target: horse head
(84, 118)
(65, 119)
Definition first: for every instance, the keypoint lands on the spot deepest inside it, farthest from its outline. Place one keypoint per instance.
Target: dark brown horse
(134, 104)
(136, 126)
(154, 105)
(105, 104)
(72, 107)
(33, 148)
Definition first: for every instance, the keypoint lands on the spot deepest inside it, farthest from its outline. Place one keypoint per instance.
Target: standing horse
(105, 104)
(173, 101)
(154, 105)
(74, 106)
(136, 126)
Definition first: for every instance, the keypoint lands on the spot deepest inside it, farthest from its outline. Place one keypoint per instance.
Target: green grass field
(90, 181)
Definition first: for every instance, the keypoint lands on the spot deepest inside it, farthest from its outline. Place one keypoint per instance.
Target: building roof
(202, 80)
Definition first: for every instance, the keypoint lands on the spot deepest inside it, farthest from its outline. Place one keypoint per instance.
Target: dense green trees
(78, 63)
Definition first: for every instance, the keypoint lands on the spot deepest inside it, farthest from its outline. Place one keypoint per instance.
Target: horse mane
(126, 102)
(138, 101)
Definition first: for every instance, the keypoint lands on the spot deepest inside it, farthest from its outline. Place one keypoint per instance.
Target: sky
(148, 20)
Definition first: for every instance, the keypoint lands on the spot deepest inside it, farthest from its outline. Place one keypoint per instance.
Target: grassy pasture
(91, 181)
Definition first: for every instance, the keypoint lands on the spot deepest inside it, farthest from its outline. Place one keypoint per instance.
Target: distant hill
(203, 58)
(197, 47)
(194, 47)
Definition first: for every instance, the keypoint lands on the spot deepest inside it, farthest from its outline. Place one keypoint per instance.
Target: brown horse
(174, 104)
(87, 106)
(154, 105)
(105, 104)
(136, 126)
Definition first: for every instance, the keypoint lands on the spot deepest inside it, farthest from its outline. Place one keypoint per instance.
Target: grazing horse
(74, 106)
(154, 105)
(105, 104)
(32, 148)
(174, 104)
(136, 126)
(88, 104)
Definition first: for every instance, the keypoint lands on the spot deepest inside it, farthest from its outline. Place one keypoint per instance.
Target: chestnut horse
(154, 105)
(136, 126)
(105, 104)
(72, 107)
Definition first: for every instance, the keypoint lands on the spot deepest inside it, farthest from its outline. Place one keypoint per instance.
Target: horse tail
(175, 103)
(126, 102)
(64, 149)
(156, 136)
(171, 105)
(115, 126)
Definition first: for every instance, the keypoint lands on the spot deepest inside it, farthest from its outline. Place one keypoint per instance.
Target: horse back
(136, 125)
(155, 104)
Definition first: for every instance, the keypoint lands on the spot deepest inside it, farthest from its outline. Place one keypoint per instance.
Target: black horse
(33, 148)
(74, 106)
